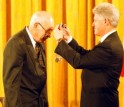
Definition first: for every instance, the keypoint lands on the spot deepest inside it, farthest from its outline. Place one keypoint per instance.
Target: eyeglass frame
(44, 29)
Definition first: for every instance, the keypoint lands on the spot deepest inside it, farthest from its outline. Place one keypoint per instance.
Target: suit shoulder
(18, 37)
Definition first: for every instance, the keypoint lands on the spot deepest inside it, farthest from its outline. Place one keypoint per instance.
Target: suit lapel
(33, 55)
(29, 47)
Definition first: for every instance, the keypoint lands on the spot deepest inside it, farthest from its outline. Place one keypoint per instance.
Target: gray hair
(108, 11)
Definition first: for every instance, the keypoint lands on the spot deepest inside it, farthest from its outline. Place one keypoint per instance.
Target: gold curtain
(64, 82)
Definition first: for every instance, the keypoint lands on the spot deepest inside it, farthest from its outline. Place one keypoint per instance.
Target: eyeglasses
(47, 32)
(42, 27)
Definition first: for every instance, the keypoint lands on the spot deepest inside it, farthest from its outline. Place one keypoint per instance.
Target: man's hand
(58, 33)
(61, 32)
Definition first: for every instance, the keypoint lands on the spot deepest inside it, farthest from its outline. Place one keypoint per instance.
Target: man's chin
(45, 38)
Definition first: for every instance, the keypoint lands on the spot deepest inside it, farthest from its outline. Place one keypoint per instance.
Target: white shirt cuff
(69, 40)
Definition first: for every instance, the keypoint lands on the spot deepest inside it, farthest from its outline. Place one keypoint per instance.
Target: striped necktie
(39, 49)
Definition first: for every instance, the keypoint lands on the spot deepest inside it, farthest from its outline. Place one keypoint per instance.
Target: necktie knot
(37, 48)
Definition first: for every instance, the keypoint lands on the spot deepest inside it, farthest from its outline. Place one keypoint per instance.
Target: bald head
(43, 18)
(41, 26)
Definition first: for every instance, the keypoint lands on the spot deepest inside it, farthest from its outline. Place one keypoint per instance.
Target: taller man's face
(99, 25)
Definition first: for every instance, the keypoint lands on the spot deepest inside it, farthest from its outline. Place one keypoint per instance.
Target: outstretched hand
(61, 32)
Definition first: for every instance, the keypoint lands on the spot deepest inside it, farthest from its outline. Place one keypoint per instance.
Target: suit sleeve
(12, 70)
(96, 58)
(73, 44)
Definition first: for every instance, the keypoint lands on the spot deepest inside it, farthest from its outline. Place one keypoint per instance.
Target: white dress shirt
(31, 37)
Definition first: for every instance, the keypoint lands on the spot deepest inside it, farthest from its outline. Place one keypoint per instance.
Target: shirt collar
(106, 35)
(31, 37)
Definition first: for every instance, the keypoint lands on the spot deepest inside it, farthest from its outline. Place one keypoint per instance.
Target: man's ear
(107, 21)
(35, 25)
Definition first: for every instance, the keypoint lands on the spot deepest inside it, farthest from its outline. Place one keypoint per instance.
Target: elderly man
(24, 66)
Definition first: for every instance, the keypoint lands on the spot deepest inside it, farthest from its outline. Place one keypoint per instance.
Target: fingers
(61, 26)
(58, 33)
(61, 31)
(64, 25)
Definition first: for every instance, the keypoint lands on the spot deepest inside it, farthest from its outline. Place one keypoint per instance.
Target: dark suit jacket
(101, 70)
(24, 80)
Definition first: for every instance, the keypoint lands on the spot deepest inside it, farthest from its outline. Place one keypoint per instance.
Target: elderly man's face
(47, 32)
(44, 32)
